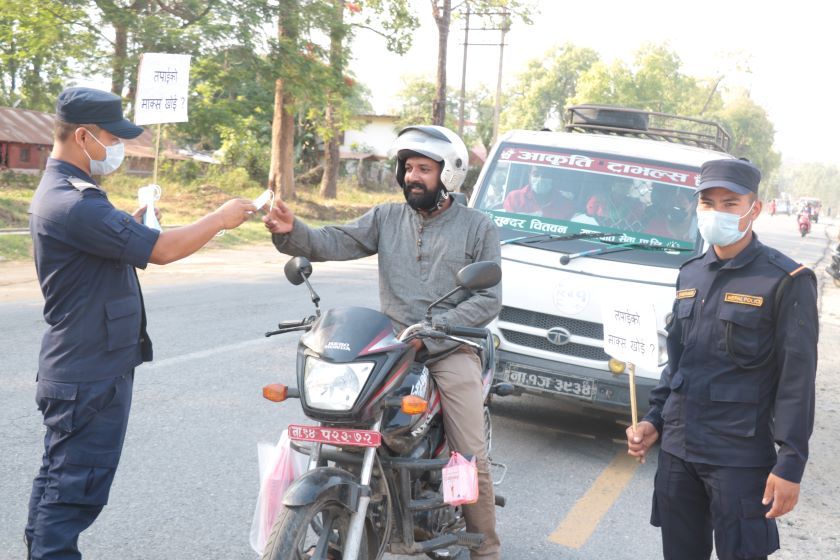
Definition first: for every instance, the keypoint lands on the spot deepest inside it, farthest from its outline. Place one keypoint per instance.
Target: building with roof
(26, 140)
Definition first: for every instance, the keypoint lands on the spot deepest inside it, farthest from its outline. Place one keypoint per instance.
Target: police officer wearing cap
(86, 252)
(742, 356)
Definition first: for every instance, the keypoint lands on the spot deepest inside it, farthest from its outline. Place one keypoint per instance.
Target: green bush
(10, 179)
(233, 181)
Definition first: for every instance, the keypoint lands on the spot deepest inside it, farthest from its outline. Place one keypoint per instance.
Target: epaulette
(692, 259)
(81, 185)
(787, 264)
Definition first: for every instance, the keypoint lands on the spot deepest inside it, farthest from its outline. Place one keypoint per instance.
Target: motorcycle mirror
(297, 269)
(479, 275)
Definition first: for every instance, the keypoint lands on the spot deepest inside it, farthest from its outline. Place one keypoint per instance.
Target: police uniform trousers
(458, 377)
(693, 501)
(86, 424)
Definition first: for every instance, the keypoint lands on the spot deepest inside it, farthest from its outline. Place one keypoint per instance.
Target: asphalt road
(188, 480)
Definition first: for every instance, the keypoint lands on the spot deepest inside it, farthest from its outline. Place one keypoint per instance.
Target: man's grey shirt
(418, 260)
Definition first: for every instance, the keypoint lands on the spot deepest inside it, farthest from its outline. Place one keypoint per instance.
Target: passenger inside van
(544, 195)
(614, 207)
(671, 213)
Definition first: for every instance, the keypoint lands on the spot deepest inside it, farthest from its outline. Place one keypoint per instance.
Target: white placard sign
(630, 331)
(163, 82)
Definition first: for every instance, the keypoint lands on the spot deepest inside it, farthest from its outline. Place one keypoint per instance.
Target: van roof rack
(623, 121)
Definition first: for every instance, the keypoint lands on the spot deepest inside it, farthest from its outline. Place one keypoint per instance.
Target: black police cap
(736, 175)
(83, 105)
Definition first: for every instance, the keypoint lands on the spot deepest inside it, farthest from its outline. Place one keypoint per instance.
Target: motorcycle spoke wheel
(317, 531)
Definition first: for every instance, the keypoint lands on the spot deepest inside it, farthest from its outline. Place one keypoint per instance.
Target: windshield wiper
(543, 237)
(613, 247)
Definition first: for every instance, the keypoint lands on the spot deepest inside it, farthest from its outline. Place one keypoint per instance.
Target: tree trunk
(329, 182)
(442, 15)
(119, 60)
(281, 171)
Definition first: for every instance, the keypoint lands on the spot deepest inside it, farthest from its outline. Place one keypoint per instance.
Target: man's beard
(427, 200)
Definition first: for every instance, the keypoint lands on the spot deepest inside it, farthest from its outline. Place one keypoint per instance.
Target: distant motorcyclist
(421, 246)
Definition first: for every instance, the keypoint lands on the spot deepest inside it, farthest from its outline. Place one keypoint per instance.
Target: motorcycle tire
(298, 531)
(488, 430)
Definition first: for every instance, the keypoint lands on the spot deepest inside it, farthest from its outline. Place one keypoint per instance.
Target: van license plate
(553, 382)
(335, 436)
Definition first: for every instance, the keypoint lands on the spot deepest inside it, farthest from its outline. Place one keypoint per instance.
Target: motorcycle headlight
(334, 386)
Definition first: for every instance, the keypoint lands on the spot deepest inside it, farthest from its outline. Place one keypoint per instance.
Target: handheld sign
(630, 336)
(162, 88)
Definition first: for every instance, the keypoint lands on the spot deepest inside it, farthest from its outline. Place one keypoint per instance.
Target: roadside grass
(183, 202)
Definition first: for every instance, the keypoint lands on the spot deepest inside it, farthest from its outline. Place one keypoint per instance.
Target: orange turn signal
(413, 404)
(276, 392)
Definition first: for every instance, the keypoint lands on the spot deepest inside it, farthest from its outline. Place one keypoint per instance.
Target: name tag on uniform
(755, 301)
(684, 294)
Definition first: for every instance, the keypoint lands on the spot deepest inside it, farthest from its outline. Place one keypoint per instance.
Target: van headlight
(331, 386)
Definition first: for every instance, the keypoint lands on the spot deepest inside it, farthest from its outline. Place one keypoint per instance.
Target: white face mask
(721, 228)
(541, 185)
(114, 156)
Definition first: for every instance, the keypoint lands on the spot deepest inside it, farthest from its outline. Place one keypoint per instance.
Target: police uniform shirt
(86, 252)
(741, 372)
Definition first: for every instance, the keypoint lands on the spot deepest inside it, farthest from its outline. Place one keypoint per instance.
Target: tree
(539, 96)
(752, 132)
(40, 44)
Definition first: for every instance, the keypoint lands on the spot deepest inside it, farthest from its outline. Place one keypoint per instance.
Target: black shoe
(28, 544)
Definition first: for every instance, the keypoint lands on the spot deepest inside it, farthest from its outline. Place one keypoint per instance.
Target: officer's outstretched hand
(641, 440)
(280, 220)
(234, 212)
(783, 493)
(140, 212)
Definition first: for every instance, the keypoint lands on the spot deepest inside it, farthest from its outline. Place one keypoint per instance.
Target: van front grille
(541, 343)
(545, 321)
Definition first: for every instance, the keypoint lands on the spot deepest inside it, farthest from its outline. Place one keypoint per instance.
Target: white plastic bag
(460, 481)
(280, 465)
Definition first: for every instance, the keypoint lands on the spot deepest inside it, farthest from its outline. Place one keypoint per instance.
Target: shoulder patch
(81, 185)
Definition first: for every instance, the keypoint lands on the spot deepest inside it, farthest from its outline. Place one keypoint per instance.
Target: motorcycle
(373, 483)
(834, 268)
(804, 224)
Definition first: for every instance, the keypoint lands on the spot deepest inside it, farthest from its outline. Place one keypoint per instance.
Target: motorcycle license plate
(335, 436)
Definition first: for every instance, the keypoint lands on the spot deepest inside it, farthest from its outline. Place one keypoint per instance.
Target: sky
(790, 49)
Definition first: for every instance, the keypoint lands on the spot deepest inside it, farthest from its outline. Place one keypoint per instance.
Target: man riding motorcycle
(421, 246)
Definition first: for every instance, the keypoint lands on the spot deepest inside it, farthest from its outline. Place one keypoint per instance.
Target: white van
(582, 215)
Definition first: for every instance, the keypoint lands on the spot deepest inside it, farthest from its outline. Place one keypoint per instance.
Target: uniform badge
(685, 294)
(755, 301)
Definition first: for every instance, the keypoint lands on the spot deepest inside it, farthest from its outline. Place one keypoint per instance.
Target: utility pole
(464, 72)
(504, 28)
(497, 109)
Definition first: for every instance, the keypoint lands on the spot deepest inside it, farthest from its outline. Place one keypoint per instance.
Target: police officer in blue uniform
(86, 252)
(742, 357)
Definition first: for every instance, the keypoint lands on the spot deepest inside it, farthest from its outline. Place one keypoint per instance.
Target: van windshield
(543, 190)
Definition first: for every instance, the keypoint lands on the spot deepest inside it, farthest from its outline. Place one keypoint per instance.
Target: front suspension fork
(357, 520)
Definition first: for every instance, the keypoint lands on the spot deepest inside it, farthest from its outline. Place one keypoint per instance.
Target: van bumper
(593, 388)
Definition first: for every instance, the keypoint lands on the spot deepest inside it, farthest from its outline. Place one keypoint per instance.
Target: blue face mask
(721, 228)
(114, 156)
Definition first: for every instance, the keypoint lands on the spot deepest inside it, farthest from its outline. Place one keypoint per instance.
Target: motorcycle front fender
(328, 482)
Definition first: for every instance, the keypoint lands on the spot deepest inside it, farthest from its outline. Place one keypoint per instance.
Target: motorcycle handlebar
(471, 332)
(291, 326)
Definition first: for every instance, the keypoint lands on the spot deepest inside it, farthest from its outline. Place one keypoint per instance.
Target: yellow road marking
(581, 521)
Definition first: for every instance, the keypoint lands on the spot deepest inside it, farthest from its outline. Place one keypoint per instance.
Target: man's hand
(280, 220)
(140, 212)
(640, 441)
(234, 212)
(783, 493)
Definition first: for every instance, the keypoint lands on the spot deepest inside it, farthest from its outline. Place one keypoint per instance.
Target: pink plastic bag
(279, 467)
(460, 481)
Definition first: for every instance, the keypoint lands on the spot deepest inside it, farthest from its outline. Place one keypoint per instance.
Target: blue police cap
(736, 175)
(83, 105)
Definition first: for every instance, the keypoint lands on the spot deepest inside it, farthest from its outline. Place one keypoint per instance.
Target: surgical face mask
(541, 185)
(721, 228)
(114, 156)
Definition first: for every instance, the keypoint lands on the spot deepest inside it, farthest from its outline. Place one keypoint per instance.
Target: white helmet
(435, 142)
